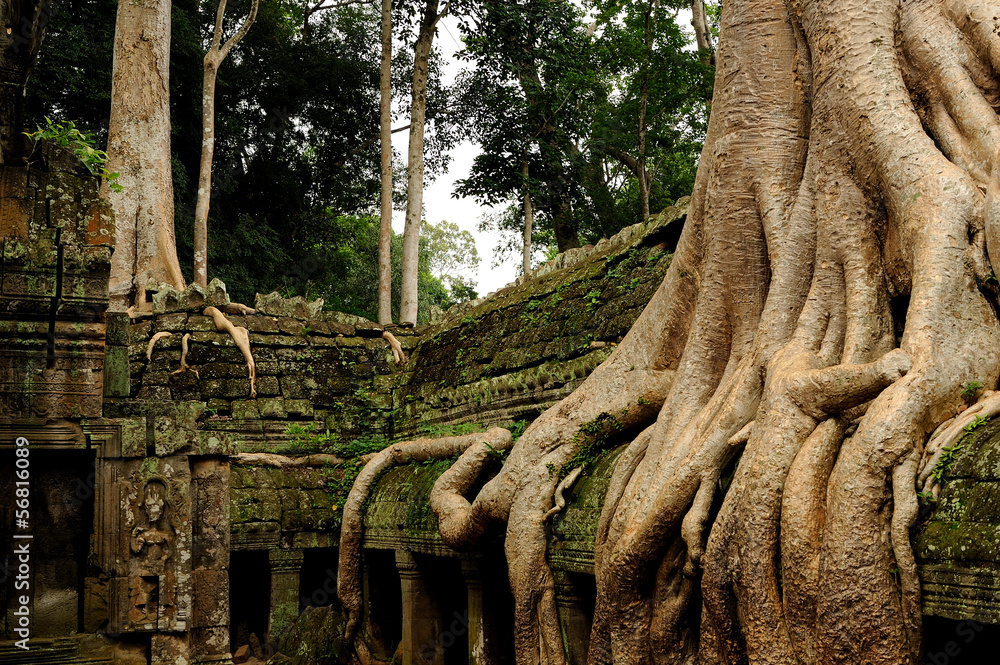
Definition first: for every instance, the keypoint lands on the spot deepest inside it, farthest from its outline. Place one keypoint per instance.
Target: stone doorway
(61, 519)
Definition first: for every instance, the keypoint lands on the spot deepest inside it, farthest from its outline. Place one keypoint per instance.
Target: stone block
(245, 410)
(272, 408)
(298, 307)
(267, 386)
(117, 373)
(211, 598)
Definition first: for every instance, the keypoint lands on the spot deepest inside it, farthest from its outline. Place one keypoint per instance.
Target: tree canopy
(296, 166)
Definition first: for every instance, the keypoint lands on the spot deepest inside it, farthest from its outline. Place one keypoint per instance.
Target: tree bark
(851, 158)
(529, 221)
(385, 224)
(25, 21)
(702, 34)
(139, 150)
(415, 164)
(217, 52)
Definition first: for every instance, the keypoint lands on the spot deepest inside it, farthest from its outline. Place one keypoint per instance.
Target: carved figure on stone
(153, 536)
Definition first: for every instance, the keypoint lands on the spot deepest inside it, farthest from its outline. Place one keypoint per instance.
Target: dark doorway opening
(318, 580)
(60, 520)
(249, 596)
(384, 597)
(967, 642)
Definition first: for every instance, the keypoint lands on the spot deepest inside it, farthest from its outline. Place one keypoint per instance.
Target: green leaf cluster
(68, 136)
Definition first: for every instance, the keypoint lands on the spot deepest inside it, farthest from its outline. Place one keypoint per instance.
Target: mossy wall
(55, 257)
(522, 350)
(958, 539)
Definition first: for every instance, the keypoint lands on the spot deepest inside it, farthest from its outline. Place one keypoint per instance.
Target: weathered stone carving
(153, 537)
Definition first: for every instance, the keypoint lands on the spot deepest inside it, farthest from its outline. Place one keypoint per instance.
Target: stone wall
(55, 237)
(516, 353)
(958, 542)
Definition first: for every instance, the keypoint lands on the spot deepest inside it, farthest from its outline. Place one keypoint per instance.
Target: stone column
(286, 566)
(573, 619)
(421, 615)
(484, 640)
(210, 561)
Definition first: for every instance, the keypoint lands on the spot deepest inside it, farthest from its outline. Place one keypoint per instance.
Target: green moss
(590, 442)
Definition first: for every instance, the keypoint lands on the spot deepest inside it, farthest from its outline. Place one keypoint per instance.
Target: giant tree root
(471, 446)
(851, 170)
(241, 336)
(284, 462)
(184, 353)
(152, 343)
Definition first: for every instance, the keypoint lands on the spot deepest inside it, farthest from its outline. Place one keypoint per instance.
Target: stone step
(57, 651)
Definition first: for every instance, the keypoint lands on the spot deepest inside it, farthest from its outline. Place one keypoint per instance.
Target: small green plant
(927, 497)
(67, 135)
(970, 390)
(945, 461)
(516, 429)
(976, 422)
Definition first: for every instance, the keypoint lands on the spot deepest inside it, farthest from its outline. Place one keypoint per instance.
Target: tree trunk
(19, 45)
(640, 171)
(139, 150)
(529, 221)
(205, 170)
(702, 34)
(851, 159)
(385, 226)
(217, 52)
(415, 167)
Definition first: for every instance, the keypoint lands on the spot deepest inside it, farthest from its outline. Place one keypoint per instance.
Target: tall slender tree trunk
(650, 26)
(139, 150)
(205, 170)
(703, 36)
(385, 226)
(529, 220)
(415, 168)
(19, 44)
(217, 52)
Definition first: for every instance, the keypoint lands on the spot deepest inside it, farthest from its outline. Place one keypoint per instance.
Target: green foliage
(976, 422)
(516, 429)
(590, 442)
(66, 135)
(540, 87)
(452, 257)
(945, 461)
(970, 390)
(342, 268)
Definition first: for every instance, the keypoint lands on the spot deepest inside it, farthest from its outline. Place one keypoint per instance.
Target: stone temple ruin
(175, 519)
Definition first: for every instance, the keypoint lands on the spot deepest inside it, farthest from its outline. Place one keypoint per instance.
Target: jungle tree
(139, 150)
(217, 52)
(829, 297)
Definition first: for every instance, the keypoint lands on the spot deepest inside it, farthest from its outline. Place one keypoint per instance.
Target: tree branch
(242, 32)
